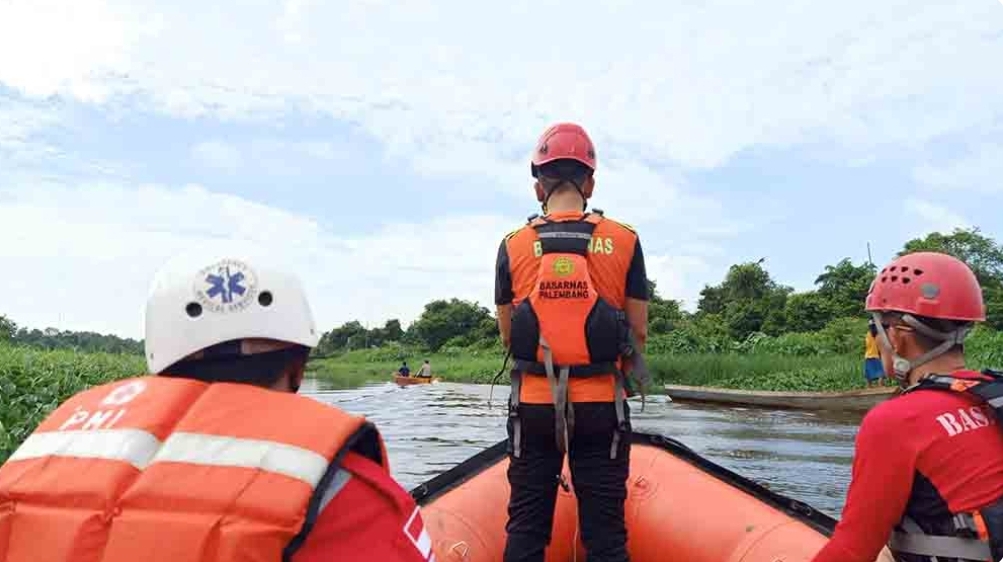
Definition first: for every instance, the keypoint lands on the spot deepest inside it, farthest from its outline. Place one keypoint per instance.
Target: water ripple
(431, 428)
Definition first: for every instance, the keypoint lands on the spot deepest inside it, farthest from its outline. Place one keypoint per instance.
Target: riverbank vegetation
(748, 331)
(34, 381)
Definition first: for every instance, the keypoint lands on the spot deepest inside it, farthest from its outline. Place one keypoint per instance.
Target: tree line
(748, 303)
(52, 338)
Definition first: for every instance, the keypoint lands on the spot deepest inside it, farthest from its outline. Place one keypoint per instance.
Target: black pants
(599, 483)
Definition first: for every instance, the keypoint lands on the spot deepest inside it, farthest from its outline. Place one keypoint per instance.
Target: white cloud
(76, 260)
(72, 258)
(448, 88)
(679, 277)
(695, 83)
(217, 154)
(274, 155)
(932, 217)
(49, 46)
(981, 170)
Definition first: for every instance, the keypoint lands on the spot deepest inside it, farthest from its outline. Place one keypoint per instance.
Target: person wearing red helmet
(928, 468)
(571, 291)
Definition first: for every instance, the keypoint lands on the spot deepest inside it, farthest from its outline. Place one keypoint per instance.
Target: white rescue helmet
(200, 299)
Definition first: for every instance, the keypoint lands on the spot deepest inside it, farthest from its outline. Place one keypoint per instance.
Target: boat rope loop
(497, 376)
(465, 555)
(513, 413)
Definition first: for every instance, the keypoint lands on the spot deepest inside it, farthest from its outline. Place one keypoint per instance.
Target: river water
(429, 429)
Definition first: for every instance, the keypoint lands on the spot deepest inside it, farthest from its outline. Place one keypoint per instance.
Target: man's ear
(296, 374)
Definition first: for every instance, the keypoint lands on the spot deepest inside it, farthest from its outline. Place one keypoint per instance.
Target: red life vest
(962, 536)
(166, 469)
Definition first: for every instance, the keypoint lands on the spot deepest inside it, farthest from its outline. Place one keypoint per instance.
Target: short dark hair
(566, 169)
(260, 369)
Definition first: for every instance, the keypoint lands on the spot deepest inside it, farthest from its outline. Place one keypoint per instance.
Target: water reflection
(431, 428)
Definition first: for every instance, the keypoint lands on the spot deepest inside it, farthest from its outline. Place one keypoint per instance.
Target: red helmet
(928, 284)
(564, 141)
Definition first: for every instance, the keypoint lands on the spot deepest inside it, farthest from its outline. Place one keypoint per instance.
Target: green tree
(807, 312)
(844, 286)
(664, 315)
(350, 335)
(51, 338)
(713, 299)
(7, 328)
(981, 253)
(748, 300)
(444, 320)
(392, 330)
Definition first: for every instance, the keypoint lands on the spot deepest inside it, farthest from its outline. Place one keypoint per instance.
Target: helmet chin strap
(903, 366)
(551, 191)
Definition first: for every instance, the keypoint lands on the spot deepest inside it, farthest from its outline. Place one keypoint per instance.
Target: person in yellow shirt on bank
(874, 372)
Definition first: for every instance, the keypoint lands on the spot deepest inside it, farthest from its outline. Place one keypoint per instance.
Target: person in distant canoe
(404, 371)
(874, 373)
(928, 465)
(426, 370)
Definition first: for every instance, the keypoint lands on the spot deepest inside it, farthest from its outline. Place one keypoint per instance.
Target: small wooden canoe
(853, 400)
(407, 381)
(680, 506)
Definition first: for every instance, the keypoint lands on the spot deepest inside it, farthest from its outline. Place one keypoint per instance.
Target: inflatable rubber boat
(680, 506)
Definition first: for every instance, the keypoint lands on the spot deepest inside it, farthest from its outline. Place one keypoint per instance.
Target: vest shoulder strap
(627, 226)
(954, 383)
(988, 386)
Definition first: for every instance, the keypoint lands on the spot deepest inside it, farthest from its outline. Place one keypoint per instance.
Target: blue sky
(381, 148)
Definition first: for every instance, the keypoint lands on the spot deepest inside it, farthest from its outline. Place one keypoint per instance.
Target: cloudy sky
(382, 146)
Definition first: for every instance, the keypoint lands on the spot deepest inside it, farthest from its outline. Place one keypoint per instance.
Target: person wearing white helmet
(213, 456)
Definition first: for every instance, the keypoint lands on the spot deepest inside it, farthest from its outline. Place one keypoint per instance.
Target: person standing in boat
(571, 294)
(874, 373)
(215, 457)
(928, 465)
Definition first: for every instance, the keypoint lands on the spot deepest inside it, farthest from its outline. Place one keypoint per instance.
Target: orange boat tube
(680, 506)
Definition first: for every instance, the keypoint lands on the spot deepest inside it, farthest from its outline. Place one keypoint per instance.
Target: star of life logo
(226, 286)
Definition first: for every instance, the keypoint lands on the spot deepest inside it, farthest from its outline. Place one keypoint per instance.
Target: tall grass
(760, 371)
(828, 360)
(377, 365)
(33, 382)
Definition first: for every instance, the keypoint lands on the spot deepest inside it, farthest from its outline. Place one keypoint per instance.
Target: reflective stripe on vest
(133, 446)
(141, 448)
(270, 456)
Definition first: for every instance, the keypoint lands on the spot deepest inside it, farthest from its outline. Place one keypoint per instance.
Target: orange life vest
(158, 469)
(564, 312)
(564, 328)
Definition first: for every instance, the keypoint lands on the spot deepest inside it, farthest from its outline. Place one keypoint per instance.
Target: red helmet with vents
(564, 141)
(928, 284)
